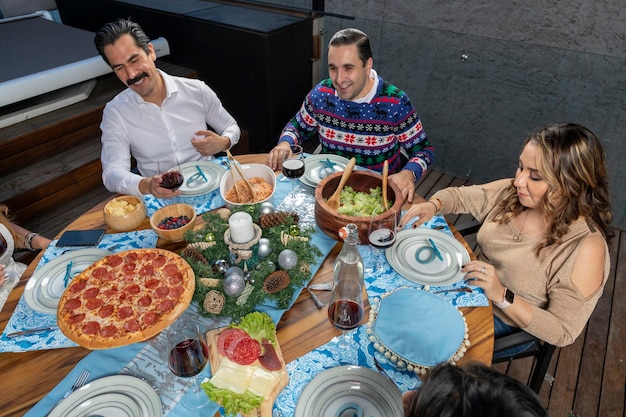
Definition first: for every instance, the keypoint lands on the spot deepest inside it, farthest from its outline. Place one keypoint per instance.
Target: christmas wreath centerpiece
(232, 279)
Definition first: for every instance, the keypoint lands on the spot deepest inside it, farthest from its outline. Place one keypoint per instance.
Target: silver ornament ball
(234, 282)
(287, 259)
(267, 208)
(264, 248)
(220, 266)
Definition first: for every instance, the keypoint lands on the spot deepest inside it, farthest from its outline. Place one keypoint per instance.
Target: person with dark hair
(543, 257)
(355, 113)
(157, 115)
(471, 390)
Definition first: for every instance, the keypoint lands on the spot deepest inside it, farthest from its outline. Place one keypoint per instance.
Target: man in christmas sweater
(356, 113)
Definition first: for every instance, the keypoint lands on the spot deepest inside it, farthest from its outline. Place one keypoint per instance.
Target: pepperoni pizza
(125, 298)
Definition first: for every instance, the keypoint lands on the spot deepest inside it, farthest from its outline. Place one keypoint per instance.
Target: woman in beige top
(543, 254)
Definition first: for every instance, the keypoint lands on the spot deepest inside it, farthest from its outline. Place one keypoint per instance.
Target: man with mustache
(157, 115)
(355, 113)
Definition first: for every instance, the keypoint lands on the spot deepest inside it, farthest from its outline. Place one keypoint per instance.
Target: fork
(80, 381)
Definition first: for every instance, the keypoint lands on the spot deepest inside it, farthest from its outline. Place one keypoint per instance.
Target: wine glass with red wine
(171, 176)
(382, 235)
(293, 168)
(188, 354)
(345, 309)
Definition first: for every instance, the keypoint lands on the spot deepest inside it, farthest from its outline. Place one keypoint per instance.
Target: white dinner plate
(45, 287)
(411, 256)
(133, 388)
(107, 405)
(194, 184)
(315, 163)
(347, 387)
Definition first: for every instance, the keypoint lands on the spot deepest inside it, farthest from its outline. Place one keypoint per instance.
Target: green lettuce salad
(360, 204)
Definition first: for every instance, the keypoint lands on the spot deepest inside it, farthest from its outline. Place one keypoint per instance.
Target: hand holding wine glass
(293, 167)
(382, 234)
(188, 355)
(345, 309)
(169, 169)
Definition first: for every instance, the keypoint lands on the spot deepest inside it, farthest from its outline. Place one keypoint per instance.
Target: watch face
(509, 296)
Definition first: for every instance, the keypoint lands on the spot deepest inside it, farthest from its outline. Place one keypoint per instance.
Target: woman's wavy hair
(573, 163)
(473, 390)
(4, 220)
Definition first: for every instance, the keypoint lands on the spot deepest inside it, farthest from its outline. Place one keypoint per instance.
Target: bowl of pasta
(235, 191)
(124, 213)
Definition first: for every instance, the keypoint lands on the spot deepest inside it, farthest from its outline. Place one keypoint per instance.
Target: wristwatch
(509, 296)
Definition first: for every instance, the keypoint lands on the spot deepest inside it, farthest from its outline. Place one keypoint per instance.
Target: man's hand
(404, 181)
(209, 143)
(152, 185)
(277, 155)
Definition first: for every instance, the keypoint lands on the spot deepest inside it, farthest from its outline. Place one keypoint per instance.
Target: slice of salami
(225, 338)
(245, 352)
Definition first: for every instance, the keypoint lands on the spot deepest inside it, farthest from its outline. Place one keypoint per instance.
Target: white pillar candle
(241, 229)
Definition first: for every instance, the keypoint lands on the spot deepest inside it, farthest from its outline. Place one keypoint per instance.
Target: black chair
(540, 350)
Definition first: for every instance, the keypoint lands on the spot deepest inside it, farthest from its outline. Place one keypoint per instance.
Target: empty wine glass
(293, 168)
(169, 169)
(345, 308)
(382, 235)
(188, 354)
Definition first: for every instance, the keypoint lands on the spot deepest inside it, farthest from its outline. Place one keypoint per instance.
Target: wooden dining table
(26, 377)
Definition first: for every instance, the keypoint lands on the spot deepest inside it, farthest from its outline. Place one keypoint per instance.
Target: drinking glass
(169, 169)
(382, 235)
(345, 308)
(293, 168)
(188, 354)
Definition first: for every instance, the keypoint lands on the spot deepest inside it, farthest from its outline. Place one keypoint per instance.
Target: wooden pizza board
(268, 403)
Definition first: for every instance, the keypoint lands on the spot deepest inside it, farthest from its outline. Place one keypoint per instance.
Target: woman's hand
(423, 212)
(484, 275)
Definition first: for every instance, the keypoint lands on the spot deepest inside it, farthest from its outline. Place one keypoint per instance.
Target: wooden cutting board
(268, 403)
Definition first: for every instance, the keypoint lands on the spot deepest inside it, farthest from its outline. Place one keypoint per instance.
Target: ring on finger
(482, 270)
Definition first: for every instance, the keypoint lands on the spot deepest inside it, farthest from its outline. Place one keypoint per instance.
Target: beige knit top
(560, 312)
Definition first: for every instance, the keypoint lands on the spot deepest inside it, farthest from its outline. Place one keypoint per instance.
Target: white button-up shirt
(133, 127)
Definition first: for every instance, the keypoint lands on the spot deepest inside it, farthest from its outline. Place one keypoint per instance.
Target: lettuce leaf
(360, 204)
(259, 326)
(231, 402)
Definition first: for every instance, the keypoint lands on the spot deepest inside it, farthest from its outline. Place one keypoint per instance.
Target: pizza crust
(139, 297)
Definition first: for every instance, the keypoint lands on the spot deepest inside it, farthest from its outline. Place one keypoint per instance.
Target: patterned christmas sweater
(371, 132)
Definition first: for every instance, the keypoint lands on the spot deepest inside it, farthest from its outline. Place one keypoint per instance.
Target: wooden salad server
(385, 175)
(333, 201)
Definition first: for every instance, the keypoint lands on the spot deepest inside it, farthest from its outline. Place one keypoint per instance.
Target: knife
(30, 331)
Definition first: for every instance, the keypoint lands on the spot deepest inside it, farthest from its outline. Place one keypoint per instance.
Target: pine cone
(276, 281)
(192, 253)
(268, 220)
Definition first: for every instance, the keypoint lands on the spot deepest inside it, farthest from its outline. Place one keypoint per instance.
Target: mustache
(138, 78)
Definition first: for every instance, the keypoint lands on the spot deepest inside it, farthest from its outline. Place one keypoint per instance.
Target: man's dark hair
(356, 37)
(473, 390)
(111, 32)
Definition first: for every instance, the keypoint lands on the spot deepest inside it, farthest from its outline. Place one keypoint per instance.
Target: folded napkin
(24, 317)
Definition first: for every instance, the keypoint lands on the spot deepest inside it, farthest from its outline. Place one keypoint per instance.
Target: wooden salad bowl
(330, 221)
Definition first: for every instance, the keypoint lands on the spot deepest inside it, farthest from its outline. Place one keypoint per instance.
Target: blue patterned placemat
(24, 317)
